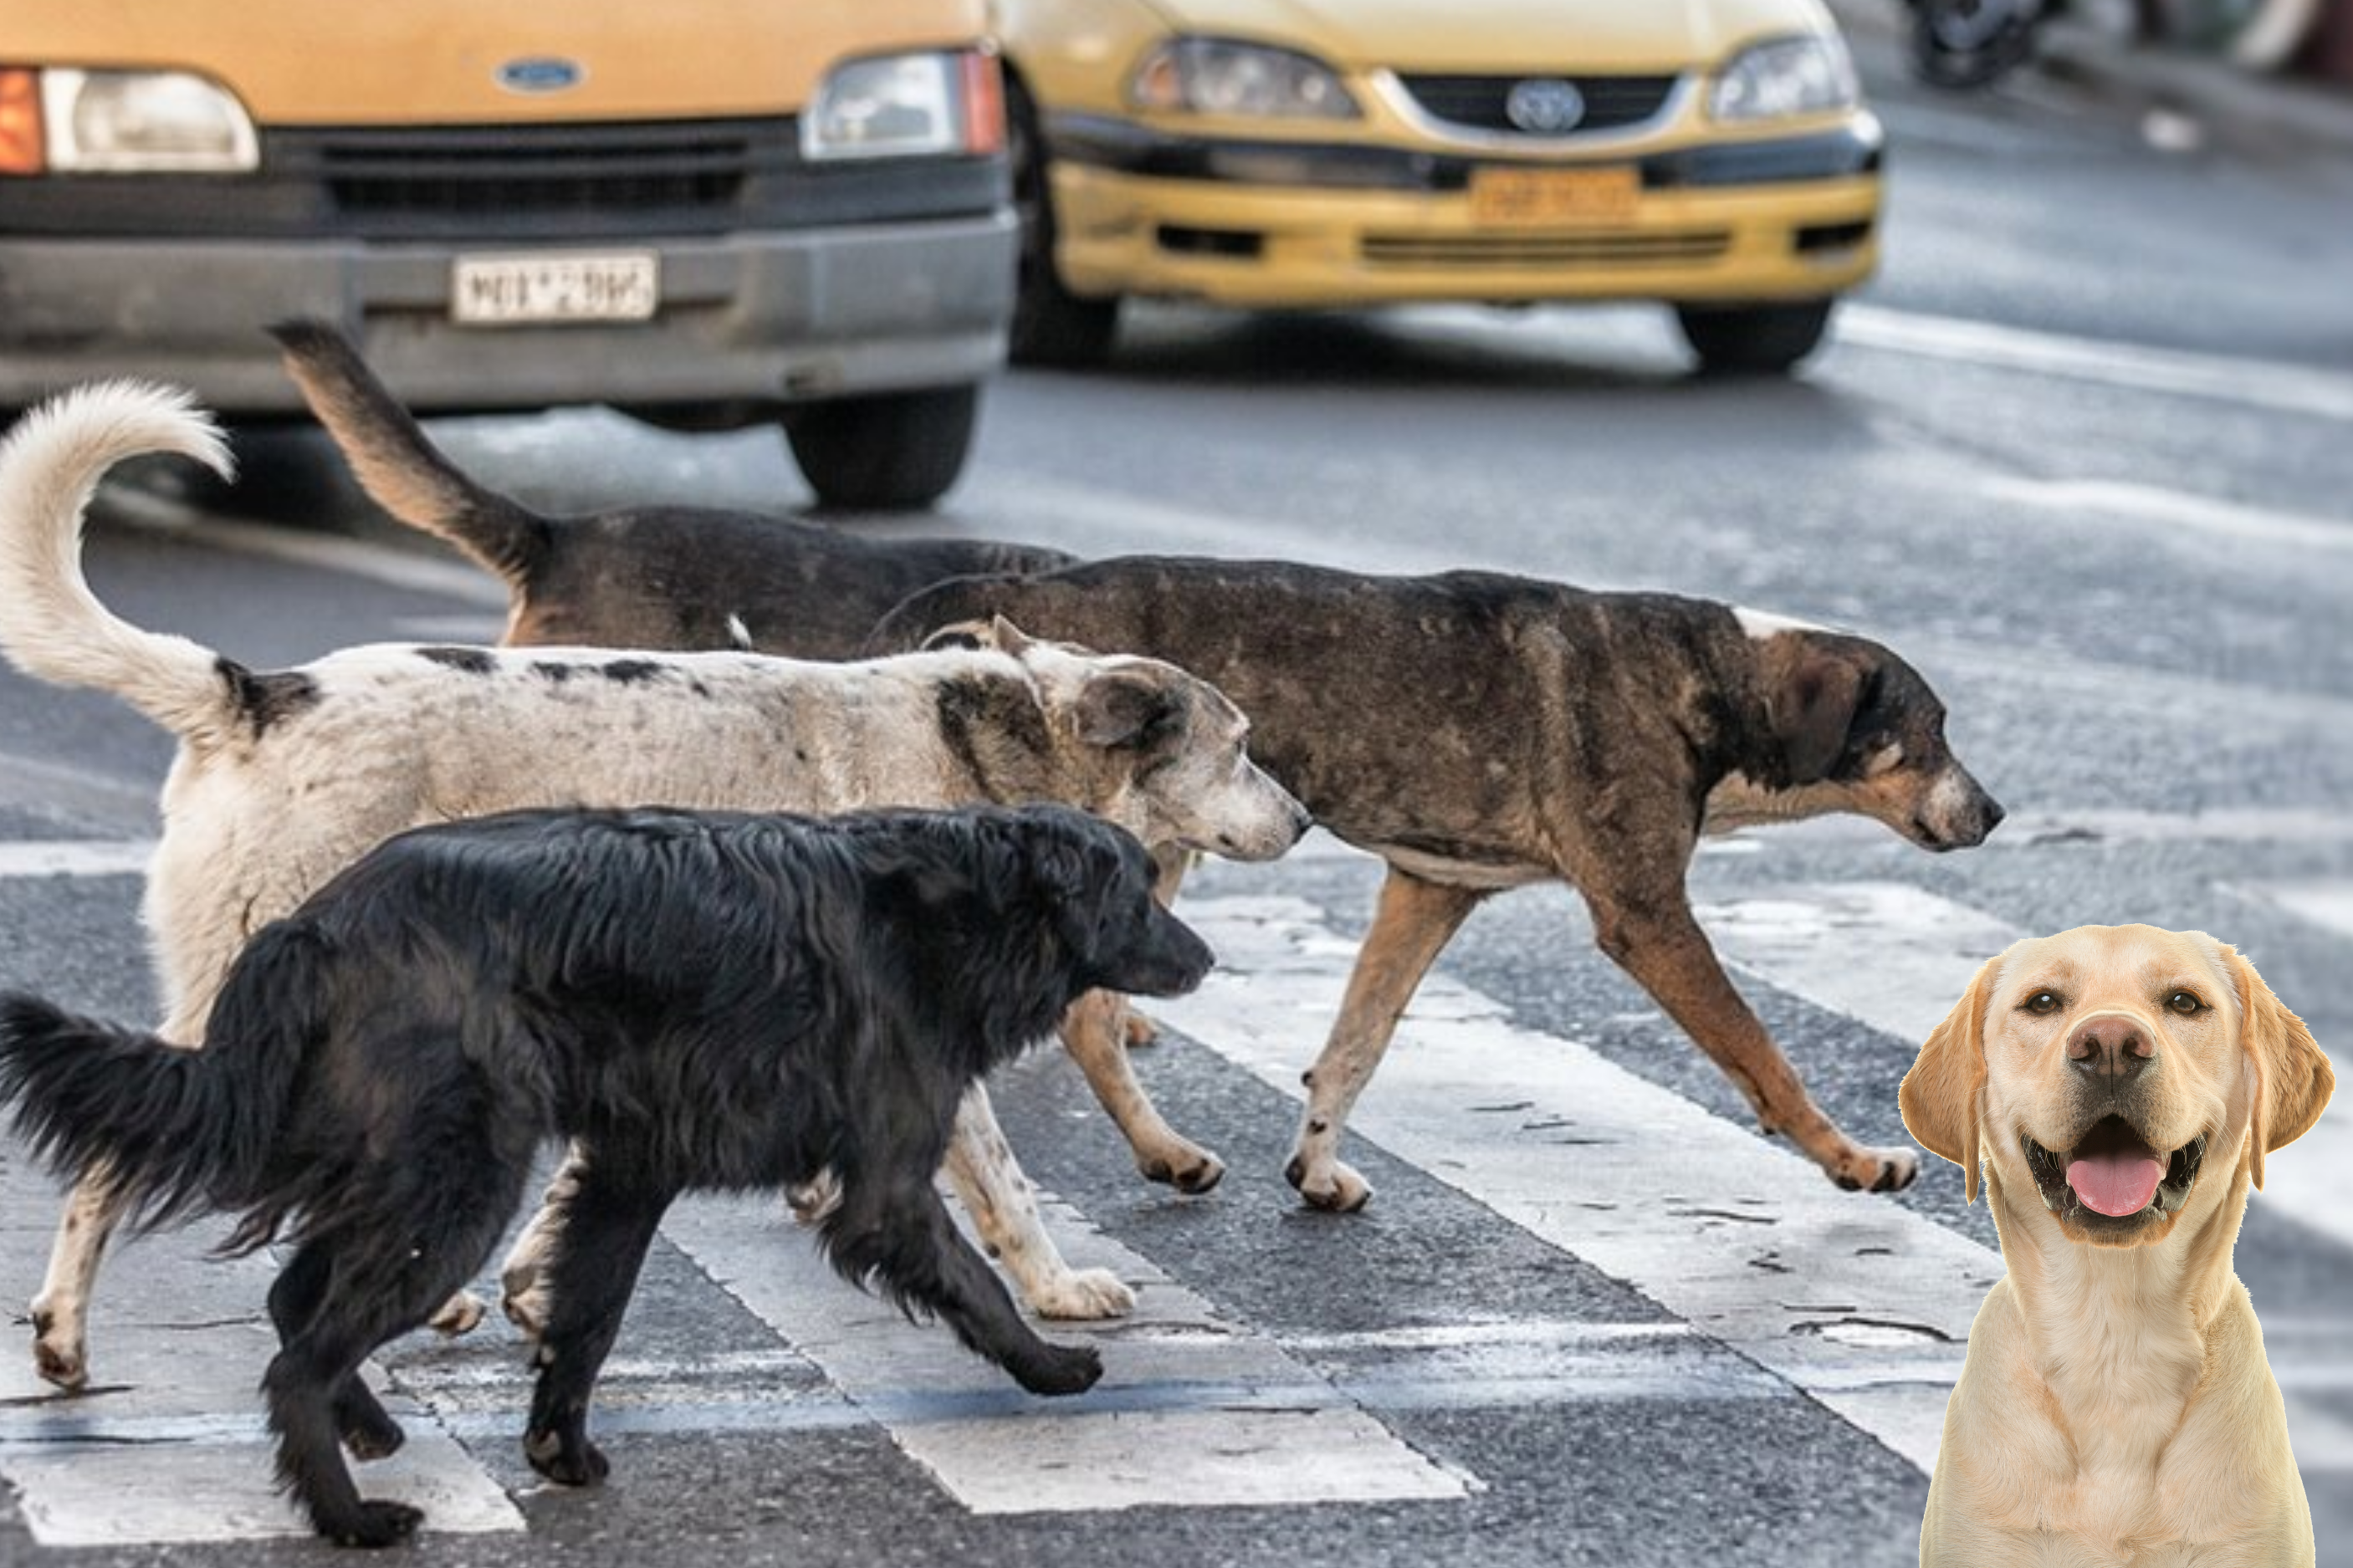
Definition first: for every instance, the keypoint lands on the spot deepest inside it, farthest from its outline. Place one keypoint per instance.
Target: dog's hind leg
(893, 1229)
(60, 1312)
(1004, 1209)
(1093, 1033)
(591, 1269)
(1414, 921)
(295, 1296)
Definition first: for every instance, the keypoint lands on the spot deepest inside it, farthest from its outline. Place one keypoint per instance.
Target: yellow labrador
(2121, 1086)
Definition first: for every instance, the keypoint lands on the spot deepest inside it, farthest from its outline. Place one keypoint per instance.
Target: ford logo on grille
(539, 73)
(1545, 106)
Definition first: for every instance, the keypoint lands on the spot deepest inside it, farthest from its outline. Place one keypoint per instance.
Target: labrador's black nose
(2111, 1048)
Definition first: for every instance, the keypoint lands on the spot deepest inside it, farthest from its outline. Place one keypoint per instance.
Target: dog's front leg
(1414, 921)
(1664, 948)
(61, 1312)
(1004, 1209)
(1094, 1032)
(523, 1289)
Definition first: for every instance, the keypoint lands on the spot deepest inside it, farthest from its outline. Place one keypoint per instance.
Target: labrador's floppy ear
(1939, 1096)
(2292, 1078)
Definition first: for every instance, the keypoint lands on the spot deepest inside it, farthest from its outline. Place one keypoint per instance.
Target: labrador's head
(2124, 1074)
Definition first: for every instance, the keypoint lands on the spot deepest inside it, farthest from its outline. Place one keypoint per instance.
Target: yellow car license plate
(1534, 199)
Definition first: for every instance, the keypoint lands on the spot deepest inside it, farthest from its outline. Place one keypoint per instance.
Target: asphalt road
(2080, 454)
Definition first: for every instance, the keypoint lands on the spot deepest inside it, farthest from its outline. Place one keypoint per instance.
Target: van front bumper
(752, 318)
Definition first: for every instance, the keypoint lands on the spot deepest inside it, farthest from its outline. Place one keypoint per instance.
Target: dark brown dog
(650, 577)
(1481, 732)
(1477, 731)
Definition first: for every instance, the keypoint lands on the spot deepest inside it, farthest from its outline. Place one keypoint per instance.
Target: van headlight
(125, 122)
(1221, 76)
(1786, 77)
(900, 106)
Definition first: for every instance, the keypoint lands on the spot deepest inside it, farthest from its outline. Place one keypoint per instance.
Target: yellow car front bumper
(1272, 226)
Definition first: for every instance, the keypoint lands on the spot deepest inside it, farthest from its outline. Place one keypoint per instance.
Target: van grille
(1593, 249)
(1476, 102)
(536, 171)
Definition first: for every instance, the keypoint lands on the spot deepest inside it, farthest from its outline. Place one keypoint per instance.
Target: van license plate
(1531, 198)
(515, 290)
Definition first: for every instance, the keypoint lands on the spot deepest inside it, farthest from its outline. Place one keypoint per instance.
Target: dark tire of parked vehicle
(1753, 340)
(1051, 326)
(893, 452)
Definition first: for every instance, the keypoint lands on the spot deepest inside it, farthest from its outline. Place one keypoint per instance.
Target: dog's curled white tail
(51, 625)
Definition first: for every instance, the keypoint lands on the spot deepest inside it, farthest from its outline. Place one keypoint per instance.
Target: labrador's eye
(2043, 1004)
(2185, 1003)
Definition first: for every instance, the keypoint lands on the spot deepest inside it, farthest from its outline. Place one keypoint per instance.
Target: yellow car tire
(1051, 326)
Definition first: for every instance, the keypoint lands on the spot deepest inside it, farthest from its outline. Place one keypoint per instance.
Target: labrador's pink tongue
(2115, 1184)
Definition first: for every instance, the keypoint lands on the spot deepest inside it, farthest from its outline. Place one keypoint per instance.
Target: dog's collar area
(2110, 1134)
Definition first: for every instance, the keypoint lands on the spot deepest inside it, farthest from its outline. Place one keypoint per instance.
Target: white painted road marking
(2207, 518)
(2262, 384)
(1040, 1456)
(75, 858)
(1856, 1302)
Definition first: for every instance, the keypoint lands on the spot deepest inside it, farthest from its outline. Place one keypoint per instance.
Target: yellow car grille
(1500, 251)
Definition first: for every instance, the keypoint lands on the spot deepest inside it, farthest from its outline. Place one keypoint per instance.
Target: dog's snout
(2110, 1047)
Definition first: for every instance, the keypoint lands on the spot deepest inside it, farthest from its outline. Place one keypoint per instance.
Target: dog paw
(1055, 1370)
(1083, 1295)
(525, 1305)
(374, 1524)
(567, 1460)
(1138, 1030)
(1878, 1171)
(1187, 1167)
(814, 1198)
(1334, 1188)
(460, 1314)
(59, 1354)
(369, 1434)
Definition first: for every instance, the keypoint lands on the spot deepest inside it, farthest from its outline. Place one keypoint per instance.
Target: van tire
(895, 451)
(1051, 326)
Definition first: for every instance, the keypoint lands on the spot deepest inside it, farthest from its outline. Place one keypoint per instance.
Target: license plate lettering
(506, 290)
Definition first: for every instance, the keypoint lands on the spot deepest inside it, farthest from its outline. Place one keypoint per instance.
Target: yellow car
(1714, 154)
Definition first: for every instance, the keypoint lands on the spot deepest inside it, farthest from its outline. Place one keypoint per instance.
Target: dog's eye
(2042, 1003)
(2185, 1003)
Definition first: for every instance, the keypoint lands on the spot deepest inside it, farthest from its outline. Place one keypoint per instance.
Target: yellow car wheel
(1753, 340)
(1051, 326)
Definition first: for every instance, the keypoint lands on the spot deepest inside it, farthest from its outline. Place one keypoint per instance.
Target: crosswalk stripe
(1635, 1179)
(1923, 950)
(1034, 1455)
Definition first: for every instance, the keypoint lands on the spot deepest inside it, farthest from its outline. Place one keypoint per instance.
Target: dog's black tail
(167, 1130)
(398, 466)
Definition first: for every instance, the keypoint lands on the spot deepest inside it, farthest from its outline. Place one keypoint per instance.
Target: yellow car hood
(1502, 34)
(333, 62)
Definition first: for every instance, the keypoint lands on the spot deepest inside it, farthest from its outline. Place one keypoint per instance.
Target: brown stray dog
(2120, 1086)
(1477, 731)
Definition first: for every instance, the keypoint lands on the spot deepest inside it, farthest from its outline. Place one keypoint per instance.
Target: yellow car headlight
(125, 122)
(1225, 77)
(1786, 77)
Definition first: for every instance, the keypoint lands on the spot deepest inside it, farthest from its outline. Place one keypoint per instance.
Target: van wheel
(1753, 340)
(893, 451)
(1051, 326)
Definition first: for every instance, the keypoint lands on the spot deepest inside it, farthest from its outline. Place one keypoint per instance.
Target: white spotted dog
(284, 777)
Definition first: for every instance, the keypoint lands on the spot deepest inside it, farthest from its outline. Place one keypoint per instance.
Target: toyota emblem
(1545, 106)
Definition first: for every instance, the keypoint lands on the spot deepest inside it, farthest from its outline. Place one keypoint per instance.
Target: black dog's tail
(398, 466)
(167, 1130)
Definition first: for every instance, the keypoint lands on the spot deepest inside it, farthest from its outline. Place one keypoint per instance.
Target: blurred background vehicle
(1715, 156)
(709, 212)
(1975, 43)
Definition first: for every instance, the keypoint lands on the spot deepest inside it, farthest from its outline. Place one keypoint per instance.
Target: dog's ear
(1810, 699)
(1939, 1096)
(1127, 708)
(2292, 1078)
(961, 634)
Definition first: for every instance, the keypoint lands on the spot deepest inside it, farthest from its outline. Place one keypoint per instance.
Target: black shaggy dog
(704, 1000)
